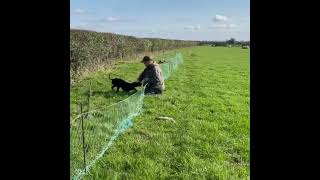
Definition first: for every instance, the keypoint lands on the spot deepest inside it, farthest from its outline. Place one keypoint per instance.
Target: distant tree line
(231, 41)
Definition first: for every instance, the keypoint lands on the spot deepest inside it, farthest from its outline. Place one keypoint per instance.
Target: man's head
(147, 61)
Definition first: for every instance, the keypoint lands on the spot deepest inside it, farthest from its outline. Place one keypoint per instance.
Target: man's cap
(146, 58)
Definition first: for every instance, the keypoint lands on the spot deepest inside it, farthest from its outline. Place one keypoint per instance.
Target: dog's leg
(113, 87)
(118, 88)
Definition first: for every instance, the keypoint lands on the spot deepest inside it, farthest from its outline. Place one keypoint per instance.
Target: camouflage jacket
(153, 76)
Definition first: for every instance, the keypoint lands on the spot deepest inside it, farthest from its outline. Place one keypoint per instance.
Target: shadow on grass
(110, 94)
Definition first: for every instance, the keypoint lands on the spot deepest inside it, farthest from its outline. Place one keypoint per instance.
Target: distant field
(209, 98)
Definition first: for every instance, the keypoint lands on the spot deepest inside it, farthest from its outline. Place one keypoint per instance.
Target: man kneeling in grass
(152, 76)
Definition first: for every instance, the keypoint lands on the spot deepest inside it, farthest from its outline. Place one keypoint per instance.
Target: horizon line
(152, 37)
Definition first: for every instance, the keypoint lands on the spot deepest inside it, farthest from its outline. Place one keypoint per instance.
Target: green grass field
(209, 98)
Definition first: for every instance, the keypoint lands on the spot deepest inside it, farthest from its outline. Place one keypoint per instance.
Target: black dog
(160, 62)
(127, 87)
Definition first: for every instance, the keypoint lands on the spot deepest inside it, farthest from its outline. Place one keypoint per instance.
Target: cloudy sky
(170, 19)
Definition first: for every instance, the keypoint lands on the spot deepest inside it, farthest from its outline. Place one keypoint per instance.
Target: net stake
(89, 95)
(83, 142)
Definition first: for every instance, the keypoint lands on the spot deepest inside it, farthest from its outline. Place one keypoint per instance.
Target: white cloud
(223, 26)
(116, 19)
(192, 28)
(189, 28)
(111, 19)
(220, 18)
(232, 25)
(79, 11)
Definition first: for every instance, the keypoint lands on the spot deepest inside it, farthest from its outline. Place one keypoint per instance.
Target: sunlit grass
(209, 98)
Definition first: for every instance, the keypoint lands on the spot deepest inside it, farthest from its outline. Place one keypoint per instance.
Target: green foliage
(89, 49)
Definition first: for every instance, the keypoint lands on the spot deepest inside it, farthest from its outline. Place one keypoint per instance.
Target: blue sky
(170, 19)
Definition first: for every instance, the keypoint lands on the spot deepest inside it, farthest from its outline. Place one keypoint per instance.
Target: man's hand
(144, 81)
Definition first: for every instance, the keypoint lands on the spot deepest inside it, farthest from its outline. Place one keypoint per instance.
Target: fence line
(90, 142)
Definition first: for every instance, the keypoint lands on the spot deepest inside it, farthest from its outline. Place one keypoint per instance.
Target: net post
(88, 97)
(83, 141)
